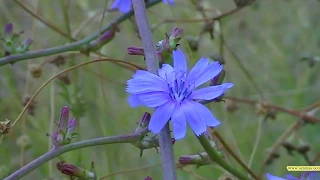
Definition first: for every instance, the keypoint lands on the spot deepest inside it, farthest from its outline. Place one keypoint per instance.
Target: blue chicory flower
(125, 5)
(174, 94)
(304, 176)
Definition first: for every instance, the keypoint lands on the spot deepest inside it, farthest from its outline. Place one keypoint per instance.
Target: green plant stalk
(129, 138)
(213, 154)
(72, 46)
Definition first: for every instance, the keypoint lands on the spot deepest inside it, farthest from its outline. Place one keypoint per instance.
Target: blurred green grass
(269, 37)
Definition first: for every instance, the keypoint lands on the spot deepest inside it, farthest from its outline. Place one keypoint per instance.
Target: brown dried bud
(58, 61)
(5, 127)
(289, 146)
(261, 109)
(35, 70)
(231, 106)
(31, 106)
(243, 3)
(65, 78)
(303, 147)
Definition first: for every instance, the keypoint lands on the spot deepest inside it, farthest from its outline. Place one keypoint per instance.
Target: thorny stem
(129, 138)
(72, 46)
(168, 162)
(213, 154)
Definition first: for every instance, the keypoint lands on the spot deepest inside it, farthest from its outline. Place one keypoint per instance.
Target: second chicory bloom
(125, 5)
(174, 94)
(304, 176)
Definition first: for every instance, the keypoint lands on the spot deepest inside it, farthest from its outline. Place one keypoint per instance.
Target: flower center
(179, 90)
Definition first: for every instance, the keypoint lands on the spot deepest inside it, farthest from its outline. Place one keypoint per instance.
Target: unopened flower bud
(65, 78)
(231, 106)
(58, 61)
(147, 178)
(135, 51)
(66, 128)
(207, 27)
(144, 122)
(35, 70)
(8, 31)
(289, 145)
(25, 46)
(74, 171)
(303, 147)
(148, 142)
(103, 39)
(174, 38)
(193, 43)
(32, 104)
(243, 3)
(196, 159)
(261, 109)
(5, 127)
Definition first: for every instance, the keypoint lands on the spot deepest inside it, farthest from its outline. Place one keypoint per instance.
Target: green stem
(72, 46)
(213, 154)
(129, 138)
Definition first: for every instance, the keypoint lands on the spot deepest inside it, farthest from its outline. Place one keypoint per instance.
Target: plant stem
(218, 159)
(165, 142)
(129, 138)
(72, 46)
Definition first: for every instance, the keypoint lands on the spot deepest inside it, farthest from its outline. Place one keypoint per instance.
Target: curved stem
(72, 46)
(213, 154)
(129, 138)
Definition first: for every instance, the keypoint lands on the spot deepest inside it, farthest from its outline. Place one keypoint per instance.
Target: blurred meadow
(263, 47)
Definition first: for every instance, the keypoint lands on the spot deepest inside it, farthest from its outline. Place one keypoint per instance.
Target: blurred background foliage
(269, 37)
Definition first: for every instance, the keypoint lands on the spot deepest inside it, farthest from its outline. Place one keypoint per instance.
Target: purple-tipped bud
(8, 30)
(66, 128)
(135, 51)
(175, 36)
(74, 171)
(144, 122)
(64, 118)
(196, 159)
(147, 178)
(27, 43)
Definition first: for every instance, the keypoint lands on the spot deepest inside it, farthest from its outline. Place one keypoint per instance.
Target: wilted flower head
(199, 159)
(66, 128)
(132, 50)
(148, 178)
(174, 95)
(74, 171)
(125, 5)
(304, 176)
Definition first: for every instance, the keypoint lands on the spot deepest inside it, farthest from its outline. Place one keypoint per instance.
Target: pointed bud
(102, 40)
(64, 118)
(74, 171)
(8, 31)
(144, 122)
(174, 38)
(71, 128)
(196, 159)
(25, 46)
(135, 51)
